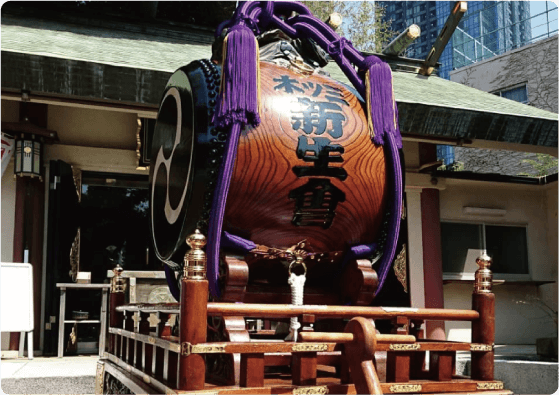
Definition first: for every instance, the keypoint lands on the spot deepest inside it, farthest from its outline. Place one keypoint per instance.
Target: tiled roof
(414, 88)
(428, 106)
(144, 51)
(99, 45)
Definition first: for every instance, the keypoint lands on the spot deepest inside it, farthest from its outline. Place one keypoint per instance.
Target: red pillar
(19, 240)
(432, 249)
(432, 259)
(29, 224)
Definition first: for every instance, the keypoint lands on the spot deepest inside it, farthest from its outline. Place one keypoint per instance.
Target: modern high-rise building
(487, 29)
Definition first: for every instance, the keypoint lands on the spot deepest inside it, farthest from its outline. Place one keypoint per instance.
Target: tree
(362, 24)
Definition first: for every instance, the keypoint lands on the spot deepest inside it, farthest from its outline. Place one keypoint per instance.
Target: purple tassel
(382, 111)
(240, 79)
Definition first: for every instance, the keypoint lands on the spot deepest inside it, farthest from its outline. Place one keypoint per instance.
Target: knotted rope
(297, 283)
(239, 100)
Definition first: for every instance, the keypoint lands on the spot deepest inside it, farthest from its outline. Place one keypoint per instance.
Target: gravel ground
(50, 385)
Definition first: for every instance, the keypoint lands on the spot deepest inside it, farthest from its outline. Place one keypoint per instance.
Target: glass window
(462, 243)
(519, 94)
(507, 246)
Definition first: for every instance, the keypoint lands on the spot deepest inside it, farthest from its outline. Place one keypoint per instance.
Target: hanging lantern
(29, 147)
(28, 156)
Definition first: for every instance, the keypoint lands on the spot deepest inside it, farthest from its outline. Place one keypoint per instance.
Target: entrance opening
(114, 229)
(114, 224)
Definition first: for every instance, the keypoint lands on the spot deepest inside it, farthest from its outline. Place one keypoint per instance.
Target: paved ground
(76, 375)
(68, 375)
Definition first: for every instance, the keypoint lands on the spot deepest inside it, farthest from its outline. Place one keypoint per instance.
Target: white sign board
(16, 297)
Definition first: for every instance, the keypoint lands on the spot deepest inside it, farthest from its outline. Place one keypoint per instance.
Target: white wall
(8, 213)
(95, 159)
(10, 113)
(520, 318)
(92, 140)
(533, 65)
(93, 128)
(7, 221)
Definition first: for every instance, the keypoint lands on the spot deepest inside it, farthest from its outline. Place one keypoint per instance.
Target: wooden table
(142, 275)
(62, 321)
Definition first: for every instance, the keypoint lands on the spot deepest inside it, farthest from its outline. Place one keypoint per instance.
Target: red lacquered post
(193, 314)
(116, 319)
(483, 329)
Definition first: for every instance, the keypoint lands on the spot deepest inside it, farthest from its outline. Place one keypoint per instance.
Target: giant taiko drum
(309, 171)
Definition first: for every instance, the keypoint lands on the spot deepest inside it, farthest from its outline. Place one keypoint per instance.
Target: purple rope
(395, 211)
(237, 243)
(238, 101)
(218, 206)
(358, 252)
(247, 18)
(302, 22)
(172, 283)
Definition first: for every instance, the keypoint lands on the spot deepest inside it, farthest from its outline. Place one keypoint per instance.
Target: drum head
(171, 172)
(181, 158)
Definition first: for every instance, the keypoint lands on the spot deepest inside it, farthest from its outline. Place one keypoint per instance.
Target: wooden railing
(176, 363)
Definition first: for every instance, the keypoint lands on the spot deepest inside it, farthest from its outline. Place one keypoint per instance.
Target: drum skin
(181, 157)
(309, 171)
(311, 155)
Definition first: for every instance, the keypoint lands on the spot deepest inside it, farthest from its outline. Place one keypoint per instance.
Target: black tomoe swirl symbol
(186, 154)
(172, 171)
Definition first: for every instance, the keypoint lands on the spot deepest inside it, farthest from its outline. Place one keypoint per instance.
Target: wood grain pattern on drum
(326, 122)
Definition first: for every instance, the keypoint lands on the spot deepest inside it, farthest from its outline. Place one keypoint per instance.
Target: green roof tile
(428, 105)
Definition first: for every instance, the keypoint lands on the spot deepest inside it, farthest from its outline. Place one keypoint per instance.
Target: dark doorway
(63, 219)
(113, 219)
(114, 224)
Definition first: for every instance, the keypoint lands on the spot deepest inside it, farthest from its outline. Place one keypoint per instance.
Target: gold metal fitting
(299, 66)
(334, 20)
(118, 283)
(483, 276)
(195, 259)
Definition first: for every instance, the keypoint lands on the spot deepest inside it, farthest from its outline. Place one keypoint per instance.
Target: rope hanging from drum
(238, 105)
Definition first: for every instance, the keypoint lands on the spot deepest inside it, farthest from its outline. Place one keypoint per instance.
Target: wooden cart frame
(141, 360)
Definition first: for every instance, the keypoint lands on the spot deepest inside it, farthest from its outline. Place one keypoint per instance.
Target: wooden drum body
(309, 171)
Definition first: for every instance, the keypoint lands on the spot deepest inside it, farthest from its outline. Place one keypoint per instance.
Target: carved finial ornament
(195, 259)
(118, 283)
(483, 276)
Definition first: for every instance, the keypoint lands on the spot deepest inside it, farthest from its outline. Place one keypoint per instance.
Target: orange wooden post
(303, 368)
(118, 286)
(398, 362)
(252, 370)
(483, 329)
(360, 354)
(442, 365)
(398, 366)
(417, 361)
(193, 314)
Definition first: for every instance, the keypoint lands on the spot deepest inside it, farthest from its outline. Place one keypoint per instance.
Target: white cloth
(297, 284)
